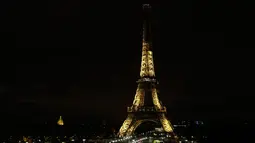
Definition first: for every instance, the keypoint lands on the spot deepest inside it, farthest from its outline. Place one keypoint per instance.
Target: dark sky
(78, 58)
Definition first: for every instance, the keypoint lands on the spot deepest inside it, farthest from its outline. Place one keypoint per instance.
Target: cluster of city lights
(122, 139)
(139, 140)
(43, 139)
(140, 137)
(186, 141)
(156, 134)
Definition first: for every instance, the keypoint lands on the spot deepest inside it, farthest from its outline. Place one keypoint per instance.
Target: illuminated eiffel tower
(146, 105)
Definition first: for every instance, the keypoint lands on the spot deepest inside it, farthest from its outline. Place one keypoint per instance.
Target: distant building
(60, 121)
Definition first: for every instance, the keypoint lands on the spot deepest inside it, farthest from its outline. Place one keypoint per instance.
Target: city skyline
(90, 63)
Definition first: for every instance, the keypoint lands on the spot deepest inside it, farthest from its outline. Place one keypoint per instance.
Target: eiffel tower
(146, 105)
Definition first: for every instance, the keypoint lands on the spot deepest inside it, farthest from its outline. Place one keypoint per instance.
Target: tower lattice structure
(146, 104)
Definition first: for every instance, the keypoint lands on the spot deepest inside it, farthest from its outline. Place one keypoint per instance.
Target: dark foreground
(216, 132)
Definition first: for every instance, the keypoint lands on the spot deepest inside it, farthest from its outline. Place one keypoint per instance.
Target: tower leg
(125, 126)
(168, 127)
(165, 123)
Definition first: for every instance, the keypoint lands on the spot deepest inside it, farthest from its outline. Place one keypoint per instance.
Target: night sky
(83, 59)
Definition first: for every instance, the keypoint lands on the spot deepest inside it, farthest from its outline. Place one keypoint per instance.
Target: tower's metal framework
(146, 105)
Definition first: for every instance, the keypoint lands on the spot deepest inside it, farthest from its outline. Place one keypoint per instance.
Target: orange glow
(60, 121)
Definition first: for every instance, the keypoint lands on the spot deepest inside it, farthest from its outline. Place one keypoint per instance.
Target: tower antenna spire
(147, 65)
(147, 23)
